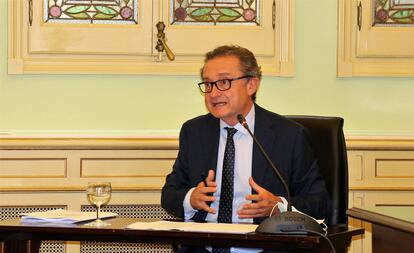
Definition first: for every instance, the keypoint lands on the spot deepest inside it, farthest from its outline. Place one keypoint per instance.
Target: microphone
(286, 222)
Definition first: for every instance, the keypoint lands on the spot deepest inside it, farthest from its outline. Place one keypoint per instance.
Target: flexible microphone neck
(286, 222)
(243, 122)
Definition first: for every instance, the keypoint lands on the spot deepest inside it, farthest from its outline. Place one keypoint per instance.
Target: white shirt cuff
(284, 200)
(189, 211)
(282, 206)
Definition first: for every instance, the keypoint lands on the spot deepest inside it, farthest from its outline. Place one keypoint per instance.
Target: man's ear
(253, 85)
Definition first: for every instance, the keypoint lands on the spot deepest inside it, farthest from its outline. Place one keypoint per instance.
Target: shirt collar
(250, 119)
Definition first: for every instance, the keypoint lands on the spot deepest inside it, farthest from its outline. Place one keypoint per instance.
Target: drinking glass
(99, 194)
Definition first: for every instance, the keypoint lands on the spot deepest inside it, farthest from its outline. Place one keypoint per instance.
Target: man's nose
(215, 92)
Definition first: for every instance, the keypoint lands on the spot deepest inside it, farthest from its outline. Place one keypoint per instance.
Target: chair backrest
(329, 146)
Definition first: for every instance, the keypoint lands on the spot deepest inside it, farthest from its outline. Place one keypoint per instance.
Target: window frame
(353, 56)
(20, 61)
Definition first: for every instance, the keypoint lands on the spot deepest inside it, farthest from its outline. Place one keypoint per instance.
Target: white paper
(63, 216)
(194, 227)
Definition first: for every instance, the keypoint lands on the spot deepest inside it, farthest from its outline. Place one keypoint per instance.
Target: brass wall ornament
(162, 44)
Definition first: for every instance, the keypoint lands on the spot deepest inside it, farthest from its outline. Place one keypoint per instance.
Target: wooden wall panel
(32, 168)
(394, 168)
(55, 171)
(125, 167)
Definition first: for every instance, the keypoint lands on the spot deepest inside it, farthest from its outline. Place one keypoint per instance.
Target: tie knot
(230, 132)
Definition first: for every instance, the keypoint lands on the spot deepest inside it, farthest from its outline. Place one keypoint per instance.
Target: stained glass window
(391, 12)
(91, 11)
(215, 12)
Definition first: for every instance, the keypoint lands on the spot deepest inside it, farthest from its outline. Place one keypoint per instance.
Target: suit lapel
(210, 141)
(266, 136)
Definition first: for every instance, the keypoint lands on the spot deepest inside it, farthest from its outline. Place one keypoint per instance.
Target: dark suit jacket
(287, 145)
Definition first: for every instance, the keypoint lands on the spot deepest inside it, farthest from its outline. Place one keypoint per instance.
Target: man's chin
(218, 113)
(226, 117)
(219, 116)
(218, 108)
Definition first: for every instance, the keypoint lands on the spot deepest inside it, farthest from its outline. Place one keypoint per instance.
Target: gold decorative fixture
(162, 44)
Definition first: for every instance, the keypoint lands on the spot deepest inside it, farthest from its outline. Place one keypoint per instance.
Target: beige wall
(153, 105)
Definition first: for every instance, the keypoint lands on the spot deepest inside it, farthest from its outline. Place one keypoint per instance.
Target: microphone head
(241, 119)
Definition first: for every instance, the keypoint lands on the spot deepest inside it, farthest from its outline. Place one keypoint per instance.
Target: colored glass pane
(91, 11)
(215, 12)
(393, 12)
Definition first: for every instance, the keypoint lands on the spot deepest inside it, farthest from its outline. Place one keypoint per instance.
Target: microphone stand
(289, 221)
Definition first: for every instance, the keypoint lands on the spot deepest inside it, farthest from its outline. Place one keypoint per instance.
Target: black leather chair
(328, 143)
(329, 146)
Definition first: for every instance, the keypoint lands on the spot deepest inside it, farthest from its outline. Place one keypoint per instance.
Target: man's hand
(203, 194)
(261, 204)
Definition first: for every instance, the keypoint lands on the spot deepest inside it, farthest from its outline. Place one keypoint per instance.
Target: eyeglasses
(221, 85)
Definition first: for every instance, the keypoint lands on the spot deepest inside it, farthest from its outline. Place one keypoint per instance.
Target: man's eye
(208, 86)
(222, 82)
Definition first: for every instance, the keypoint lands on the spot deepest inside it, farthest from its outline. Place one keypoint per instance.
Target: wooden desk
(392, 227)
(19, 238)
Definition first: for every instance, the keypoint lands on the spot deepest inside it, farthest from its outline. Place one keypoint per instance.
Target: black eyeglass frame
(217, 87)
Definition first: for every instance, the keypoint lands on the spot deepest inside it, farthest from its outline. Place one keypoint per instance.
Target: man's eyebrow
(220, 77)
(224, 75)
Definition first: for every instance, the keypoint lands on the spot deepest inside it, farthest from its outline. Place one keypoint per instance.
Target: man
(231, 78)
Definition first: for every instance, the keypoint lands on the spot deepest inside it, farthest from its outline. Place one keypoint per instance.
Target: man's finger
(207, 208)
(210, 176)
(251, 213)
(207, 198)
(254, 197)
(255, 186)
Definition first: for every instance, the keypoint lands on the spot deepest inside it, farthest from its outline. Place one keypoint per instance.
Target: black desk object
(26, 238)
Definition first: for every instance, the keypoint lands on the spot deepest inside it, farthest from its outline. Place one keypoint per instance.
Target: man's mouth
(215, 104)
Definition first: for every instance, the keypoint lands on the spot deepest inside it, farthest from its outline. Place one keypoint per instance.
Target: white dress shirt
(243, 143)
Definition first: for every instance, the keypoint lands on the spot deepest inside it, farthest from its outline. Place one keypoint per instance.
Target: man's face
(227, 104)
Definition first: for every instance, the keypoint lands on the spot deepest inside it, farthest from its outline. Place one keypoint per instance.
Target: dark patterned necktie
(226, 196)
